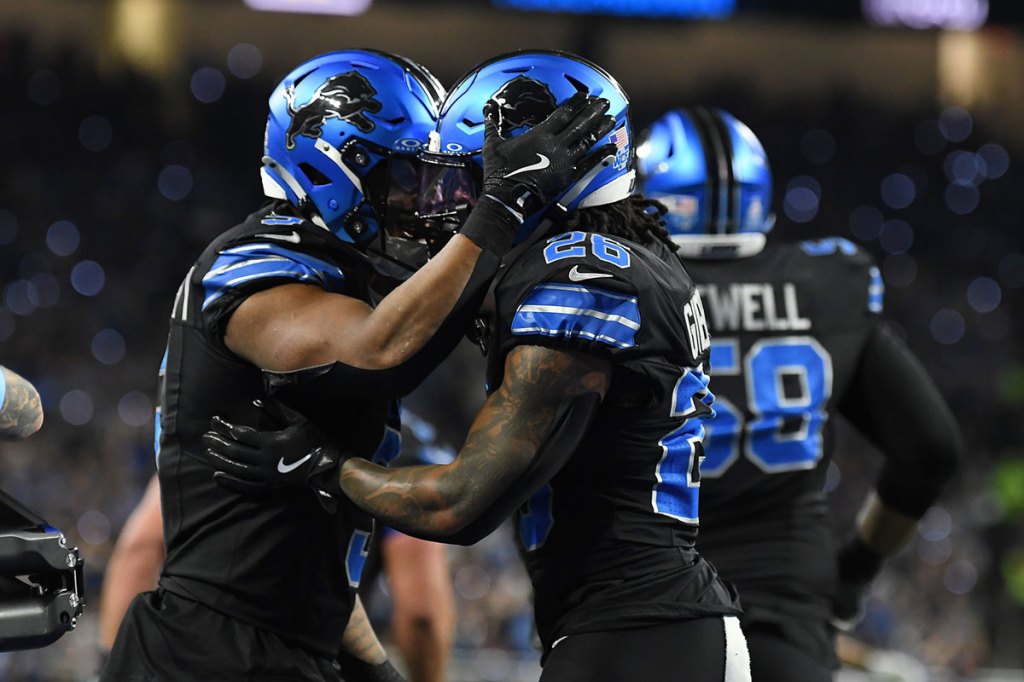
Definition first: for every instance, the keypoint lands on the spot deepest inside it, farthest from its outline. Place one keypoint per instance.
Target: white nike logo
(293, 237)
(286, 468)
(540, 165)
(576, 276)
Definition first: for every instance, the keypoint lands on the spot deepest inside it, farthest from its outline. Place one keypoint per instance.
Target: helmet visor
(428, 198)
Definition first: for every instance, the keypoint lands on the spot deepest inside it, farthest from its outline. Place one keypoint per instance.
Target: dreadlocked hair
(634, 218)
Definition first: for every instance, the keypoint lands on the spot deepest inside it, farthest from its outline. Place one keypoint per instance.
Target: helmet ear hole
(316, 177)
(576, 83)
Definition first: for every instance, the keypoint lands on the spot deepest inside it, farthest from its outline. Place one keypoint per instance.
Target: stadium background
(130, 133)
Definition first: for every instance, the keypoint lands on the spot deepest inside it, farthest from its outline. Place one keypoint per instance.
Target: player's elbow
(35, 422)
(22, 425)
(457, 524)
(940, 452)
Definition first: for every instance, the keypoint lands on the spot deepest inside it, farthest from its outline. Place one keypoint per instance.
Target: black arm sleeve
(896, 405)
(396, 382)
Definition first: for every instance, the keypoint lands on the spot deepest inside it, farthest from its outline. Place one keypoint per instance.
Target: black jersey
(608, 542)
(278, 562)
(788, 326)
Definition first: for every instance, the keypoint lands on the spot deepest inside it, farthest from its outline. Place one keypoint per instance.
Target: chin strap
(720, 246)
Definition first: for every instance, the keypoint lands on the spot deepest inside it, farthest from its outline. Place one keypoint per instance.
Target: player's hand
(524, 174)
(848, 606)
(857, 566)
(252, 461)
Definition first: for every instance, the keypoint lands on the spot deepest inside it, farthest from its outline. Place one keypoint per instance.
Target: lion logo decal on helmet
(522, 102)
(345, 96)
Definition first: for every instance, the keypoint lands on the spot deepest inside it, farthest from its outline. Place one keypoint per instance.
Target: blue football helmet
(528, 86)
(342, 137)
(710, 171)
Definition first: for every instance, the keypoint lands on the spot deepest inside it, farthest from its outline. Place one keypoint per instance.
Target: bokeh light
(935, 525)
(108, 346)
(175, 182)
(62, 238)
(955, 124)
(47, 288)
(208, 84)
(76, 407)
(962, 199)
(898, 191)
(135, 409)
(802, 197)
(960, 577)
(245, 60)
(88, 278)
(964, 168)
(21, 297)
(996, 158)
(94, 527)
(984, 294)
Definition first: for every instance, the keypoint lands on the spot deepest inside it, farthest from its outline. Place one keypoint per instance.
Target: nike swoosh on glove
(252, 461)
(524, 175)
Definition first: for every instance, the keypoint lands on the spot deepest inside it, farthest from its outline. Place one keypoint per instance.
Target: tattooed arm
(21, 414)
(540, 387)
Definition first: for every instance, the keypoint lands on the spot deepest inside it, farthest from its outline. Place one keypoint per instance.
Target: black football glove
(524, 174)
(252, 461)
(858, 565)
(355, 670)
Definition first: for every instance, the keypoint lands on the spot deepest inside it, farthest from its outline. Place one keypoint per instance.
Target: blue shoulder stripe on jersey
(248, 262)
(3, 387)
(876, 289)
(575, 311)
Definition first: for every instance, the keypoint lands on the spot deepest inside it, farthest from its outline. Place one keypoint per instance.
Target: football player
(21, 413)
(417, 571)
(798, 340)
(264, 587)
(592, 429)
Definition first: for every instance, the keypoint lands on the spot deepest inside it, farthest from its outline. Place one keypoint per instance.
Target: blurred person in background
(423, 611)
(798, 339)
(591, 432)
(416, 572)
(21, 413)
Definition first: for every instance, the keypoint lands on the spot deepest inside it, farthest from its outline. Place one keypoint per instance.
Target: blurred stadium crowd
(113, 182)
